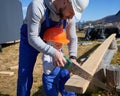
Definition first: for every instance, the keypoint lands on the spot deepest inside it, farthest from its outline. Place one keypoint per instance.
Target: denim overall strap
(62, 22)
(47, 18)
(48, 23)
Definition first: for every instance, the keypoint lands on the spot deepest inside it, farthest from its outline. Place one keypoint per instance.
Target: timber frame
(91, 65)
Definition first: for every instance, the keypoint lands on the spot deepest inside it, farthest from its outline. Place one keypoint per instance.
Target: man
(41, 15)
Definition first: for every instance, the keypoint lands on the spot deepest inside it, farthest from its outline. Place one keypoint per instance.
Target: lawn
(9, 58)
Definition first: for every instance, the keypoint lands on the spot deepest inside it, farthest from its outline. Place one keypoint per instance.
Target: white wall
(11, 19)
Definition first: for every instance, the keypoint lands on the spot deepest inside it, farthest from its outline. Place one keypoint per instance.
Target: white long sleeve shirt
(35, 17)
(48, 63)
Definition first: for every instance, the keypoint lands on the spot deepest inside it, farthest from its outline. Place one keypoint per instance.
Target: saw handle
(68, 64)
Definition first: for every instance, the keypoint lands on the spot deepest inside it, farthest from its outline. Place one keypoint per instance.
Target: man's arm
(35, 14)
(72, 36)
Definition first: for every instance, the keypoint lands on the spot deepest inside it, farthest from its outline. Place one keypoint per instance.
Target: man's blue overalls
(27, 59)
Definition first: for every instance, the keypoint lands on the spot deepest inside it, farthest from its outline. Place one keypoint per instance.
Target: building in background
(11, 18)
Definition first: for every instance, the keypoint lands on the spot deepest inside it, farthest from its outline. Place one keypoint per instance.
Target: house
(11, 18)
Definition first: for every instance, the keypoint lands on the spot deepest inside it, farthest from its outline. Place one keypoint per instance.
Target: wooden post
(14, 67)
(113, 76)
(6, 73)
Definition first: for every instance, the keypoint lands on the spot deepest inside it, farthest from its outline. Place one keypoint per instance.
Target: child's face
(57, 45)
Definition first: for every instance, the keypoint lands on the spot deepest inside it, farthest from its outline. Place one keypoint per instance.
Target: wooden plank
(6, 73)
(74, 83)
(94, 60)
(92, 63)
(14, 67)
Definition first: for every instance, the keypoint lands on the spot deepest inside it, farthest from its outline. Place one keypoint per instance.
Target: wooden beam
(14, 67)
(74, 83)
(91, 64)
(6, 73)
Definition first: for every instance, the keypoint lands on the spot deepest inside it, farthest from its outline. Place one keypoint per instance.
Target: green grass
(9, 57)
(118, 42)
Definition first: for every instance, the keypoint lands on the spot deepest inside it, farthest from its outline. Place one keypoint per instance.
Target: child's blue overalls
(27, 59)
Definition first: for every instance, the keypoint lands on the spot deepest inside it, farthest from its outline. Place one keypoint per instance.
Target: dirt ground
(9, 58)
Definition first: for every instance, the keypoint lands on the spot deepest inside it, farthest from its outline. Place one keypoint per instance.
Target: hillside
(9, 58)
(108, 20)
(111, 18)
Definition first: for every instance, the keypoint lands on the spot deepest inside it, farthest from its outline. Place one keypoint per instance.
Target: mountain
(111, 18)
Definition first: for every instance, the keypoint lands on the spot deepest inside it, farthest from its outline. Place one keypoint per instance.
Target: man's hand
(59, 60)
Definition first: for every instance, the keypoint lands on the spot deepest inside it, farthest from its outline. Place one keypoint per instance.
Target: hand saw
(76, 69)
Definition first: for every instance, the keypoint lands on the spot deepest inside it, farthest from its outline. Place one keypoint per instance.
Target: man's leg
(27, 59)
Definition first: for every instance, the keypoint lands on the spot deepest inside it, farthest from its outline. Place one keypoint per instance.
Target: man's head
(68, 8)
(79, 6)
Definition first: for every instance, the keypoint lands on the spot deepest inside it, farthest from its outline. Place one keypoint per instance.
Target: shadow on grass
(87, 53)
(40, 92)
(81, 39)
(88, 94)
(4, 94)
(8, 44)
(4, 45)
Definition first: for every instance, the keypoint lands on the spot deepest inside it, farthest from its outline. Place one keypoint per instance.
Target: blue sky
(97, 9)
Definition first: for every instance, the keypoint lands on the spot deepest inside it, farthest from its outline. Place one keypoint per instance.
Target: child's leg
(51, 82)
(64, 76)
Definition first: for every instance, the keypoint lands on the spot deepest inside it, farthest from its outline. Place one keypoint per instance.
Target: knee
(65, 74)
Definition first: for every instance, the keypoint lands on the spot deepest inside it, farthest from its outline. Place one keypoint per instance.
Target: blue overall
(27, 58)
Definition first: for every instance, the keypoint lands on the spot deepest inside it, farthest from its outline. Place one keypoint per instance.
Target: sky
(96, 9)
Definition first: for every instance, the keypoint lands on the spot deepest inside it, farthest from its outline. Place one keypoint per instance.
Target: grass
(118, 42)
(9, 57)
(116, 59)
